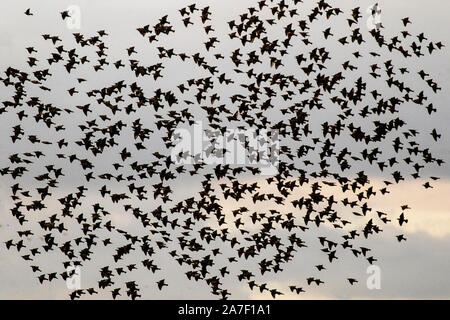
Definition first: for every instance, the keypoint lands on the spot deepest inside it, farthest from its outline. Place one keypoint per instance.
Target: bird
(161, 284)
(406, 21)
(64, 14)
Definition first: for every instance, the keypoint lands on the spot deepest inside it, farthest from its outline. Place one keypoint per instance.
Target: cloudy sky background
(417, 268)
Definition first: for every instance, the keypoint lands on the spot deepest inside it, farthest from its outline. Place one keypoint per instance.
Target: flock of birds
(202, 236)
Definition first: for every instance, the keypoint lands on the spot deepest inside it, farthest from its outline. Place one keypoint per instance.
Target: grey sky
(417, 268)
